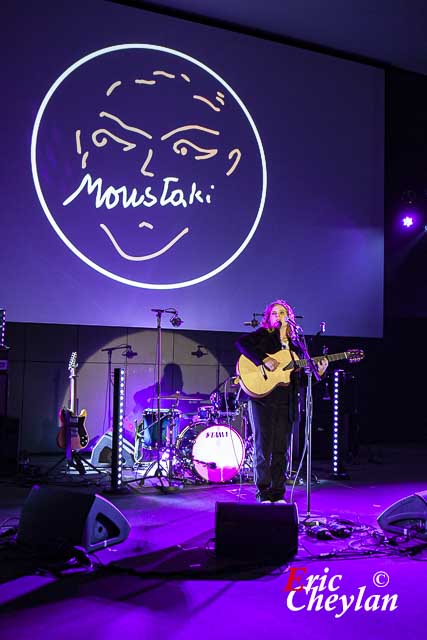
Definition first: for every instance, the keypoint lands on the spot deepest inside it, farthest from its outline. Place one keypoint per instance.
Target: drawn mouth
(148, 256)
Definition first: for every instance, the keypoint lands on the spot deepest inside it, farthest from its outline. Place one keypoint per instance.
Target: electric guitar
(258, 381)
(72, 434)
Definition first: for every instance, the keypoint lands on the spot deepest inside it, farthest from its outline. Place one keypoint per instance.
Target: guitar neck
(73, 392)
(331, 357)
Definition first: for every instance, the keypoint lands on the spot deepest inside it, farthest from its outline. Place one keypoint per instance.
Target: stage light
(338, 426)
(117, 435)
(411, 220)
(410, 215)
(408, 221)
(2, 326)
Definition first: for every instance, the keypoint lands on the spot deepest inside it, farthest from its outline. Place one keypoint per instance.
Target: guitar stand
(77, 461)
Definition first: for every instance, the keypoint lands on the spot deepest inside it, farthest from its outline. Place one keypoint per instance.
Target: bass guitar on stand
(72, 434)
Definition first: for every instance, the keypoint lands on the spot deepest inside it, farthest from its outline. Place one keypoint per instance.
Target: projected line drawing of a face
(149, 166)
(133, 139)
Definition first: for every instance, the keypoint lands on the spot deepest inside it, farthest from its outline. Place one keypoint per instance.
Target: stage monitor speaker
(54, 518)
(101, 453)
(260, 533)
(408, 515)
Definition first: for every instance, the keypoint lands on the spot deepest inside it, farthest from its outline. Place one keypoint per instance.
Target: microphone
(199, 353)
(252, 323)
(129, 353)
(176, 321)
(209, 465)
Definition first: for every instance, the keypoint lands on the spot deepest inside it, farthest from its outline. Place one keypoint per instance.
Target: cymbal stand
(161, 472)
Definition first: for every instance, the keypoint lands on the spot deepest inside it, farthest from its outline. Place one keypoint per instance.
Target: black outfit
(271, 417)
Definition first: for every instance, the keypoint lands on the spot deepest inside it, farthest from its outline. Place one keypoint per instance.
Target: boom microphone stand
(127, 352)
(161, 472)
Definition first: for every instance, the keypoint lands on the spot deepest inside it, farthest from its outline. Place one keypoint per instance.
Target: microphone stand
(161, 472)
(109, 351)
(310, 370)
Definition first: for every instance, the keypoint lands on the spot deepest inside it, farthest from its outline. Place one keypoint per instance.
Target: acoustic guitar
(72, 434)
(258, 381)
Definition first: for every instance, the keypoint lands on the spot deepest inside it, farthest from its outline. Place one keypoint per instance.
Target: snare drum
(214, 452)
(147, 432)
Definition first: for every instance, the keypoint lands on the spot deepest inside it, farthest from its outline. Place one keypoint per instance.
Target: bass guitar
(258, 381)
(72, 434)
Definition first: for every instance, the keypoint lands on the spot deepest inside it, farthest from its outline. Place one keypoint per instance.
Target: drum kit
(209, 448)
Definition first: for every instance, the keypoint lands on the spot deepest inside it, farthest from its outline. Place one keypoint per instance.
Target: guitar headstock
(73, 361)
(355, 355)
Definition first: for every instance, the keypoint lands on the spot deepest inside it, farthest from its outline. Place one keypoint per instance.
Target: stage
(165, 580)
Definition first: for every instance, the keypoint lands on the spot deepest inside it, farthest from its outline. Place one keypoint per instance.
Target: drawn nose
(146, 164)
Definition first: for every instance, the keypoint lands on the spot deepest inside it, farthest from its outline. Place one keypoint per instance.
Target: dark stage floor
(164, 581)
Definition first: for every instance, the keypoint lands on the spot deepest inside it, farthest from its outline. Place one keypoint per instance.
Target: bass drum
(215, 452)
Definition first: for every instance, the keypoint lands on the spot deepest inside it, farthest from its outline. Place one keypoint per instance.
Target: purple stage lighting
(408, 221)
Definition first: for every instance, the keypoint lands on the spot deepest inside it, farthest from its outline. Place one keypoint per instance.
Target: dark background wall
(405, 303)
(38, 374)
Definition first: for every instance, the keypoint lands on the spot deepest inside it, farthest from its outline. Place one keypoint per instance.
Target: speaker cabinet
(101, 453)
(54, 518)
(9, 443)
(406, 515)
(261, 533)
(3, 390)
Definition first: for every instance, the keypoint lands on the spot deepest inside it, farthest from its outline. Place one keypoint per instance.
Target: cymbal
(183, 398)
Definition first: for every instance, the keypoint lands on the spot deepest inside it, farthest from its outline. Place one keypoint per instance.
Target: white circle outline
(70, 245)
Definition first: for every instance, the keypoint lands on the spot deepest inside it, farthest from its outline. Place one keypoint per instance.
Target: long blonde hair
(265, 322)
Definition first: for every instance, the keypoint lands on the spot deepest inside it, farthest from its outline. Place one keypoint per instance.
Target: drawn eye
(181, 148)
(100, 139)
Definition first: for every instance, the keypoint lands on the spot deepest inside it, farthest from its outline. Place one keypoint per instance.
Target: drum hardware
(247, 470)
(207, 413)
(164, 457)
(213, 452)
(195, 454)
(207, 450)
(226, 403)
